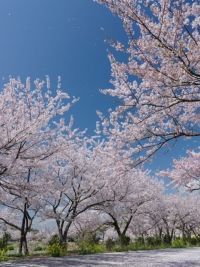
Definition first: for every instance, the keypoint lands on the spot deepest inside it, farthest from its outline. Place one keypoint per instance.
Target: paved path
(153, 258)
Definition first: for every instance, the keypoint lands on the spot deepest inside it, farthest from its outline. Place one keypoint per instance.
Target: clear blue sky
(60, 37)
(66, 38)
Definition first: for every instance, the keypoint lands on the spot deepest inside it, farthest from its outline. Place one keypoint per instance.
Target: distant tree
(19, 206)
(132, 195)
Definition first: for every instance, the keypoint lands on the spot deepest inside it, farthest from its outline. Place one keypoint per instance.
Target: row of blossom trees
(165, 217)
(49, 170)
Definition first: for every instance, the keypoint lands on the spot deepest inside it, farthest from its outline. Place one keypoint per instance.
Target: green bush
(11, 247)
(89, 243)
(38, 248)
(3, 255)
(90, 248)
(110, 244)
(153, 241)
(194, 241)
(6, 237)
(4, 240)
(167, 239)
(119, 248)
(124, 240)
(2, 244)
(140, 240)
(136, 246)
(57, 250)
(88, 237)
(54, 240)
(178, 243)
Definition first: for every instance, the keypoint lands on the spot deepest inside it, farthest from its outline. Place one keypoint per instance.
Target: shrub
(89, 243)
(178, 243)
(124, 240)
(3, 255)
(121, 248)
(153, 241)
(2, 244)
(89, 248)
(110, 244)
(6, 237)
(4, 240)
(193, 241)
(54, 240)
(11, 247)
(57, 250)
(167, 239)
(88, 237)
(140, 240)
(38, 248)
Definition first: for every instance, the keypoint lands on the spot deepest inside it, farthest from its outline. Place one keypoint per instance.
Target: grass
(83, 248)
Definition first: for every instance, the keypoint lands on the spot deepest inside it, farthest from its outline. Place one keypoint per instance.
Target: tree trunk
(63, 232)
(160, 233)
(20, 245)
(26, 251)
(65, 235)
(23, 246)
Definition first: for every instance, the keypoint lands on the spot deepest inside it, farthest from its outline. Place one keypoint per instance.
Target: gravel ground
(153, 258)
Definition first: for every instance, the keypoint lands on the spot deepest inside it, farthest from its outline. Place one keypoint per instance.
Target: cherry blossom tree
(172, 216)
(186, 171)
(159, 84)
(132, 195)
(19, 205)
(30, 134)
(88, 223)
(80, 179)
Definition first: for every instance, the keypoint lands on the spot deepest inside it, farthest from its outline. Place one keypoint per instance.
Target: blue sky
(66, 38)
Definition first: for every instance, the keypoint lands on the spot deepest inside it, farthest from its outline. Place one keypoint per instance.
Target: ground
(154, 258)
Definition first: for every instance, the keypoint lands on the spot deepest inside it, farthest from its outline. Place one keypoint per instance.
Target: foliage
(90, 248)
(89, 243)
(38, 248)
(110, 244)
(140, 240)
(55, 248)
(123, 240)
(11, 247)
(3, 254)
(4, 240)
(54, 239)
(166, 239)
(179, 243)
(153, 241)
(194, 241)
